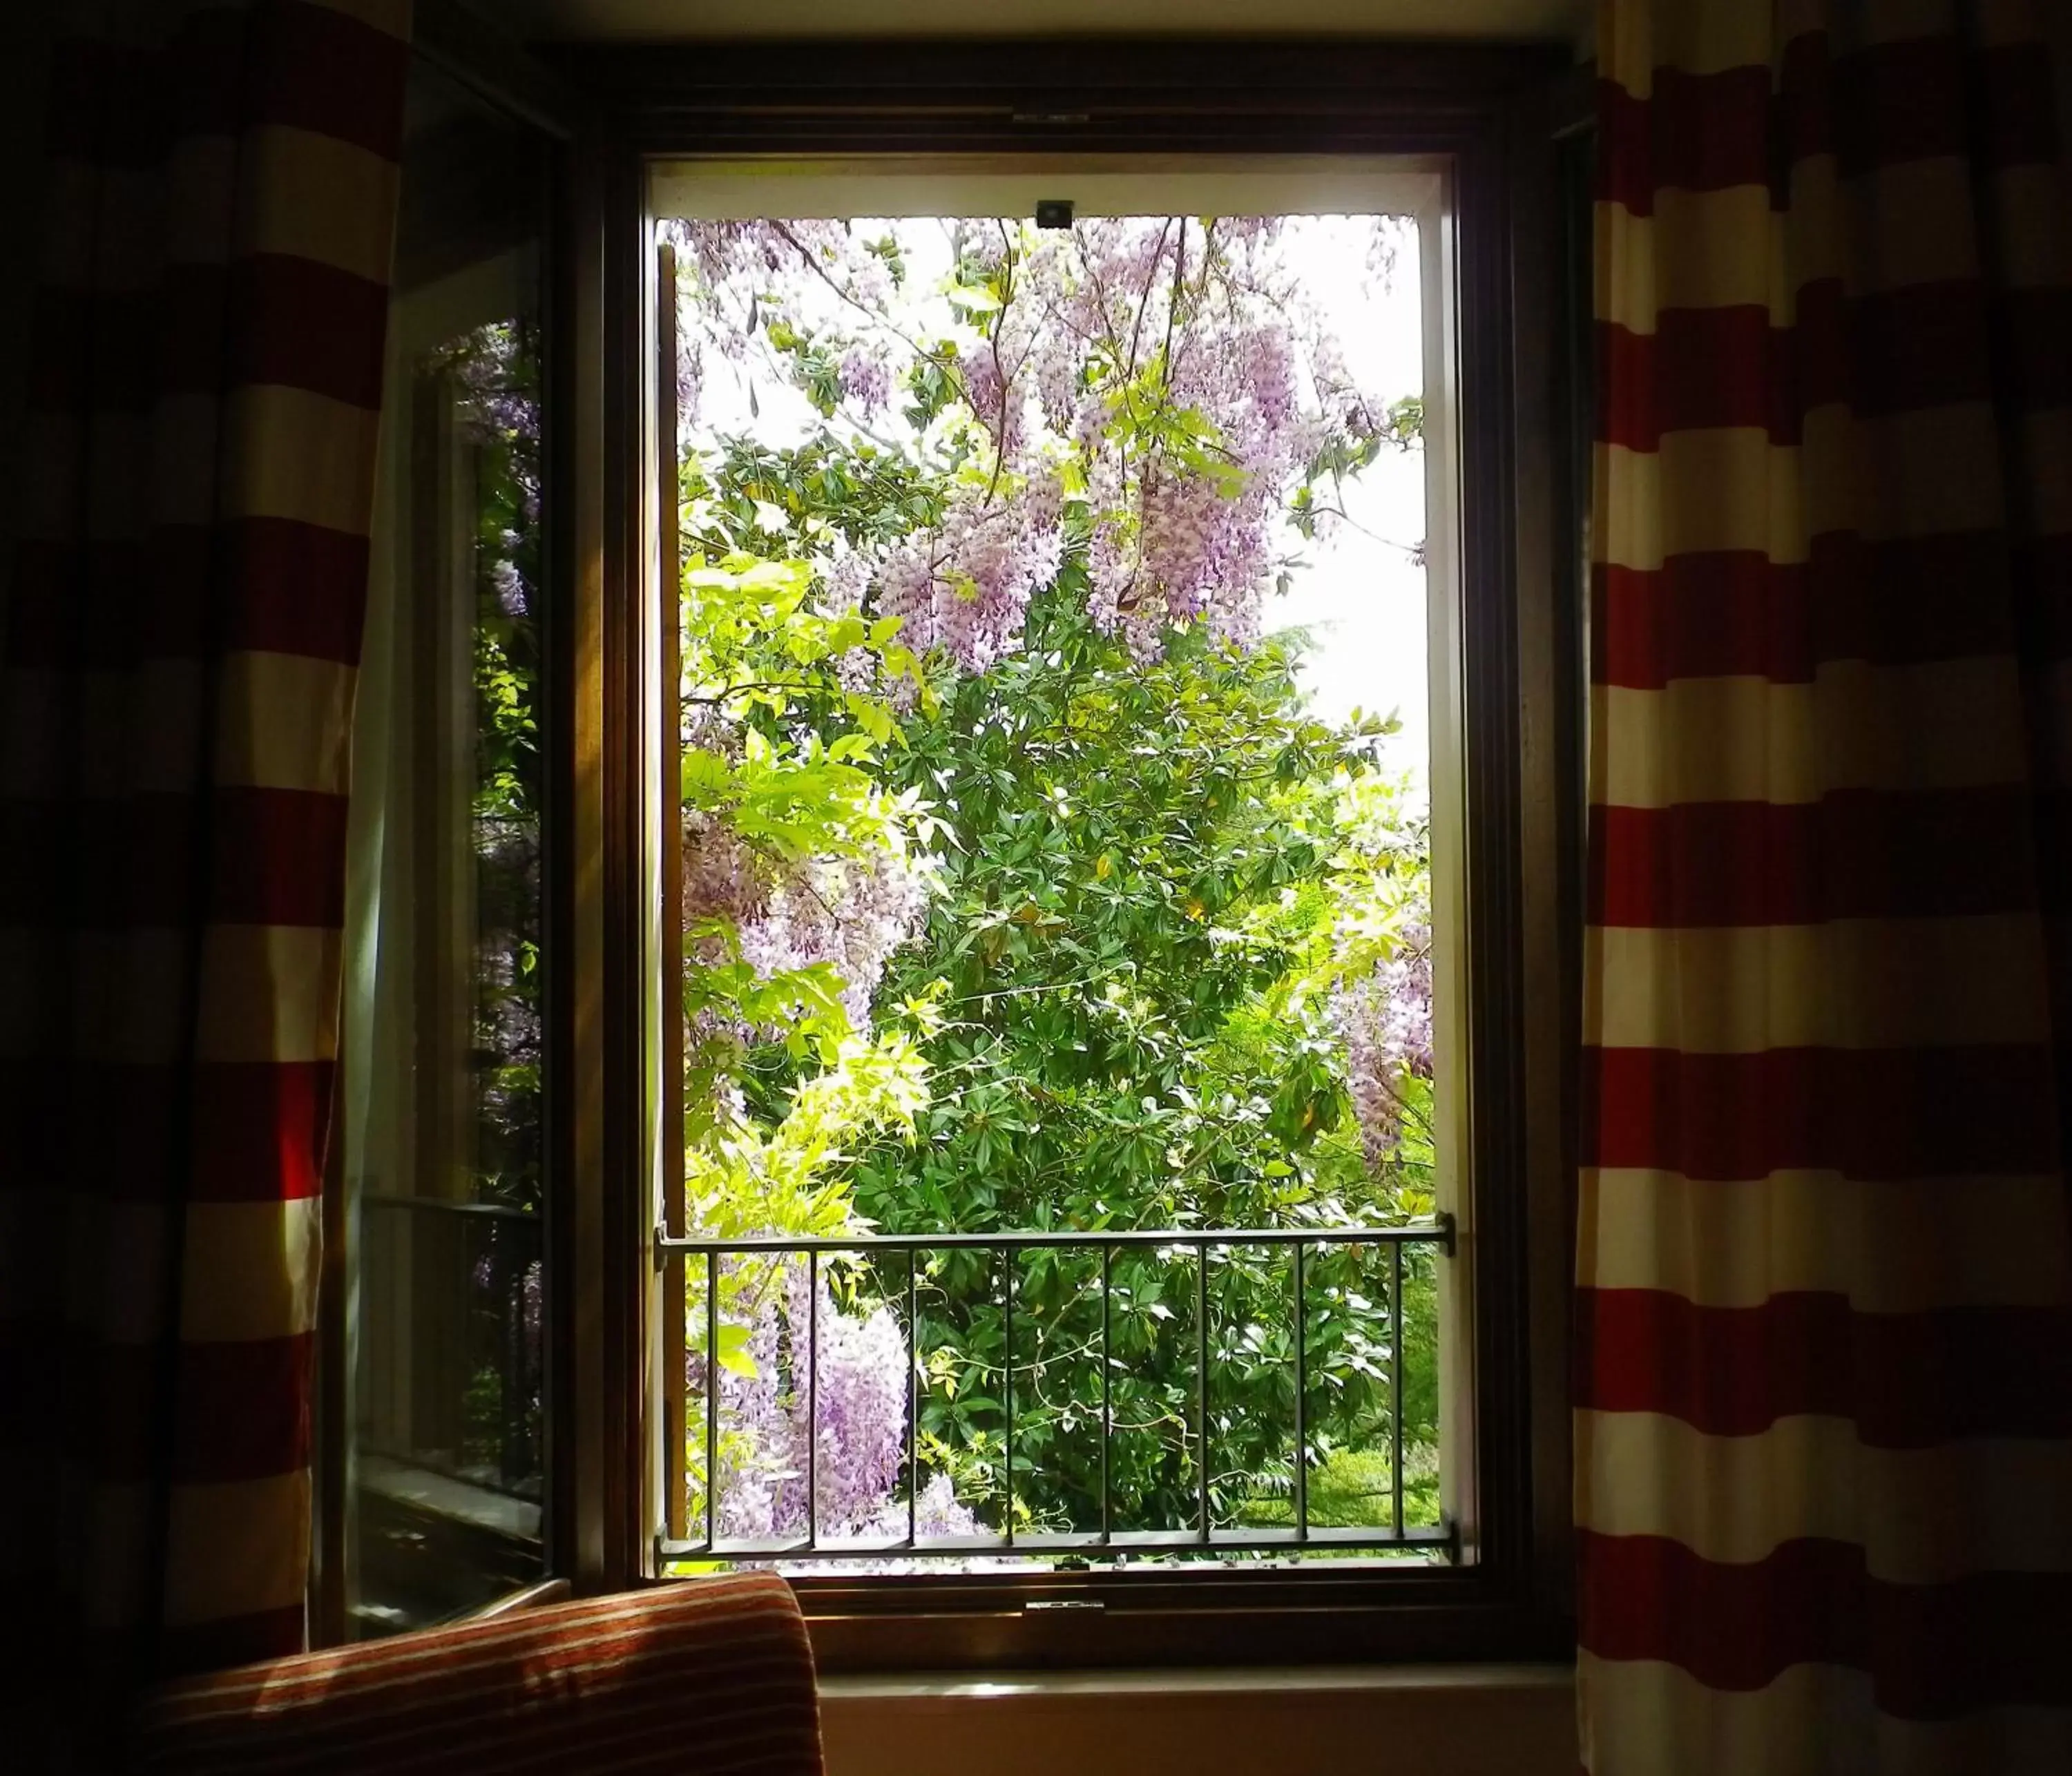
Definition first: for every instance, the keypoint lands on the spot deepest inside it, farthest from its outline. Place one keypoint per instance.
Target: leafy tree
(1145, 872)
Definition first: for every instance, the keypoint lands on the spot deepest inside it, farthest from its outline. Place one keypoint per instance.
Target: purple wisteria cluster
(866, 378)
(726, 881)
(1153, 388)
(495, 375)
(848, 913)
(1384, 1017)
(734, 267)
(964, 589)
(1189, 471)
(857, 1405)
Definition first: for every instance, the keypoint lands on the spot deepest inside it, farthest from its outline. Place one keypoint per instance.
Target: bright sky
(1361, 595)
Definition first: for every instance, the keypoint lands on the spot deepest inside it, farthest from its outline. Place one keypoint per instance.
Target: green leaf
(733, 1355)
(705, 777)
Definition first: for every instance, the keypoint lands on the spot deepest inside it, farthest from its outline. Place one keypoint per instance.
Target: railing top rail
(444, 1205)
(1436, 1232)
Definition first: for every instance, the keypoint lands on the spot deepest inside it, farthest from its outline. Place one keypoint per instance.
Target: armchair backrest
(711, 1677)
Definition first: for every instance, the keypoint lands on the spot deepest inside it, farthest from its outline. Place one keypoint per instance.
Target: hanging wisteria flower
(964, 590)
(866, 378)
(850, 913)
(724, 880)
(1384, 1017)
(858, 1407)
(1152, 391)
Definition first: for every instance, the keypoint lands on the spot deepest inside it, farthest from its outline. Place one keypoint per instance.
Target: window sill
(445, 1496)
(1458, 1719)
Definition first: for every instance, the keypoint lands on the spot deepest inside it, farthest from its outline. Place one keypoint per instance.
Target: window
(1498, 681)
(443, 1127)
(1432, 1333)
(1069, 767)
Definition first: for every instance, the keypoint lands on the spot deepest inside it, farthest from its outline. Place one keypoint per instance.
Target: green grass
(1352, 1489)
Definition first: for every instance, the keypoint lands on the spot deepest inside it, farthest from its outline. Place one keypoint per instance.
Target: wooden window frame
(1491, 115)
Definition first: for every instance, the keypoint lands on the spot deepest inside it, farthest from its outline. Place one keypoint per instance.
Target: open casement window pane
(443, 1137)
(1063, 827)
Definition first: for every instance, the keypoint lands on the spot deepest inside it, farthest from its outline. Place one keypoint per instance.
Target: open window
(439, 1413)
(1049, 1125)
(1085, 827)
(1068, 769)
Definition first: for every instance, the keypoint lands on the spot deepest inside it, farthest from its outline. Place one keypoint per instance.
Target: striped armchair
(710, 1678)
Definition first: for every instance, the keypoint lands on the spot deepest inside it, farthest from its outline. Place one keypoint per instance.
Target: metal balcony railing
(1108, 1541)
(450, 1314)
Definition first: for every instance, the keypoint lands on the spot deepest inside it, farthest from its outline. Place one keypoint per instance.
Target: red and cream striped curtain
(1824, 1423)
(176, 689)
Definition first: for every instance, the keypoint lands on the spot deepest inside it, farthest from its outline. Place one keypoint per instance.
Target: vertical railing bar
(1107, 1387)
(1396, 1377)
(1301, 1403)
(812, 1399)
(711, 1397)
(1007, 1388)
(1202, 1381)
(913, 1401)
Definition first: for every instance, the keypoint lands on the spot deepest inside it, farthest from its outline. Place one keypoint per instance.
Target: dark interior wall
(25, 32)
(2060, 27)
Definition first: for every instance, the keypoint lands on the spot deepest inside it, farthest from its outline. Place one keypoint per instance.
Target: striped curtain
(176, 684)
(1824, 1373)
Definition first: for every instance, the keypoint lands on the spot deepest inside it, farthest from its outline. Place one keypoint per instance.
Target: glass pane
(443, 1137)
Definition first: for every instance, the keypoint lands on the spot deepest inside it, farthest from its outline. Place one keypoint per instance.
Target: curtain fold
(176, 690)
(1824, 1363)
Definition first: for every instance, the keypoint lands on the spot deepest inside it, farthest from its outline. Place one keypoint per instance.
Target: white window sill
(1436, 1719)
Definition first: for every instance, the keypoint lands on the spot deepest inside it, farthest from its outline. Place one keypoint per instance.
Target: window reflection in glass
(444, 1138)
